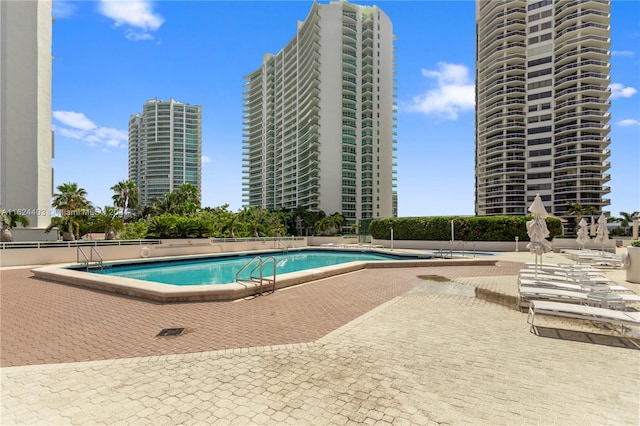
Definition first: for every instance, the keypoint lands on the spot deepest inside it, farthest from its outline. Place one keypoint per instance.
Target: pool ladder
(88, 259)
(259, 263)
(442, 253)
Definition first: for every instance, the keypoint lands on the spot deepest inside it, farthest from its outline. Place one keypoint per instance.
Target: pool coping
(167, 293)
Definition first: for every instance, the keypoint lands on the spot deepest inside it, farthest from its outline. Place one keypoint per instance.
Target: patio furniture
(621, 321)
(598, 299)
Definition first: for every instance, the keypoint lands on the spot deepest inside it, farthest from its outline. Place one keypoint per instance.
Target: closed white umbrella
(538, 231)
(592, 230)
(583, 233)
(602, 233)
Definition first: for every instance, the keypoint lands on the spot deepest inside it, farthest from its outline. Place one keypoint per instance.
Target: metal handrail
(260, 267)
(285, 248)
(95, 250)
(89, 259)
(258, 258)
(453, 247)
(86, 258)
(262, 263)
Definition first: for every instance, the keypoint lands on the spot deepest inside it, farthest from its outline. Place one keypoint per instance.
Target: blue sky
(112, 56)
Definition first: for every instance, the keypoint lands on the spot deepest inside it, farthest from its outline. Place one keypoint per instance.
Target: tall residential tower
(319, 117)
(542, 101)
(165, 148)
(26, 139)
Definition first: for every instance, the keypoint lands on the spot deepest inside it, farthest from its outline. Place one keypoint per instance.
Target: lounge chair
(564, 285)
(572, 278)
(530, 294)
(587, 313)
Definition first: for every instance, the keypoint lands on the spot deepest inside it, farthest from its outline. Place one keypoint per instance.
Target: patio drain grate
(170, 332)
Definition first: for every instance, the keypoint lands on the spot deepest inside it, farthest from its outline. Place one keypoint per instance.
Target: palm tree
(109, 221)
(9, 221)
(72, 202)
(626, 219)
(126, 195)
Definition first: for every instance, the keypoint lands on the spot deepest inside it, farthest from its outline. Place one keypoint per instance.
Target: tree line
(178, 214)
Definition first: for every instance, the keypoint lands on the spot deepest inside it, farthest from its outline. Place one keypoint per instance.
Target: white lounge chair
(569, 286)
(587, 313)
(572, 278)
(530, 294)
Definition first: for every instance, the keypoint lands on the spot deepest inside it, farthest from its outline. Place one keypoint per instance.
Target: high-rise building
(542, 101)
(319, 117)
(26, 139)
(165, 148)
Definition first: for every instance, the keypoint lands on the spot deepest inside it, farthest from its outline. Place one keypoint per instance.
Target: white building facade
(319, 117)
(542, 101)
(165, 148)
(26, 139)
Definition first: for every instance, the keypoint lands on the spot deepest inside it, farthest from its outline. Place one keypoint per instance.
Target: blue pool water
(222, 270)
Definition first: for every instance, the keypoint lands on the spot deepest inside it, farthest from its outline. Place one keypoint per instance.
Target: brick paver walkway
(371, 347)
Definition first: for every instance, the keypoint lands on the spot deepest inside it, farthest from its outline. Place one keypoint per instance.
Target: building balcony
(587, 27)
(593, 164)
(592, 40)
(576, 127)
(580, 151)
(585, 65)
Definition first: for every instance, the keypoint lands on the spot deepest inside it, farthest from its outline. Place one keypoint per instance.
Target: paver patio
(370, 347)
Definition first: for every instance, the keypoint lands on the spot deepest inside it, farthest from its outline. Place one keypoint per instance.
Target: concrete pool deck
(74, 275)
(373, 346)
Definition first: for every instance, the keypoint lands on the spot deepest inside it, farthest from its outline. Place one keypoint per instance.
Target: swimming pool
(223, 269)
(143, 288)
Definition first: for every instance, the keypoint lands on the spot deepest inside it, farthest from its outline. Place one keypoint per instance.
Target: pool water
(222, 270)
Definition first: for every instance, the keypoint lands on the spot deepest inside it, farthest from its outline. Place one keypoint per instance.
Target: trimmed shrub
(467, 228)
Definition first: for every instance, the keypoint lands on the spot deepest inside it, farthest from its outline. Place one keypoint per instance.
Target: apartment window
(539, 152)
(539, 84)
(535, 130)
(541, 95)
(546, 105)
(546, 175)
(540, 61)
(539, 4)
(533, 28)
(545, 25)
(533, 40)
(539, 73)
(539, 187)
(533, 108)
(545, 37)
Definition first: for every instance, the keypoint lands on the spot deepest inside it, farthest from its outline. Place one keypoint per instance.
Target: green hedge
(466, 228)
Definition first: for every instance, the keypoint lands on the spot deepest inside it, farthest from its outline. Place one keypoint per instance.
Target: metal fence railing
(76, 243)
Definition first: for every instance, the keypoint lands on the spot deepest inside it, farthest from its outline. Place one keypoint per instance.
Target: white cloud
(206, 159)
(77, 120)
(75, 125)
(619, 91)
(454, 93)
(628, 122)
(621, 53)
(134, 36)
(134, 13)
(63, 9)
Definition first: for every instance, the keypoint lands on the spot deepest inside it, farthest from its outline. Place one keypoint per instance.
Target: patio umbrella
(538, 231)
(592, 230)
(602, 234)
(583, 233)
